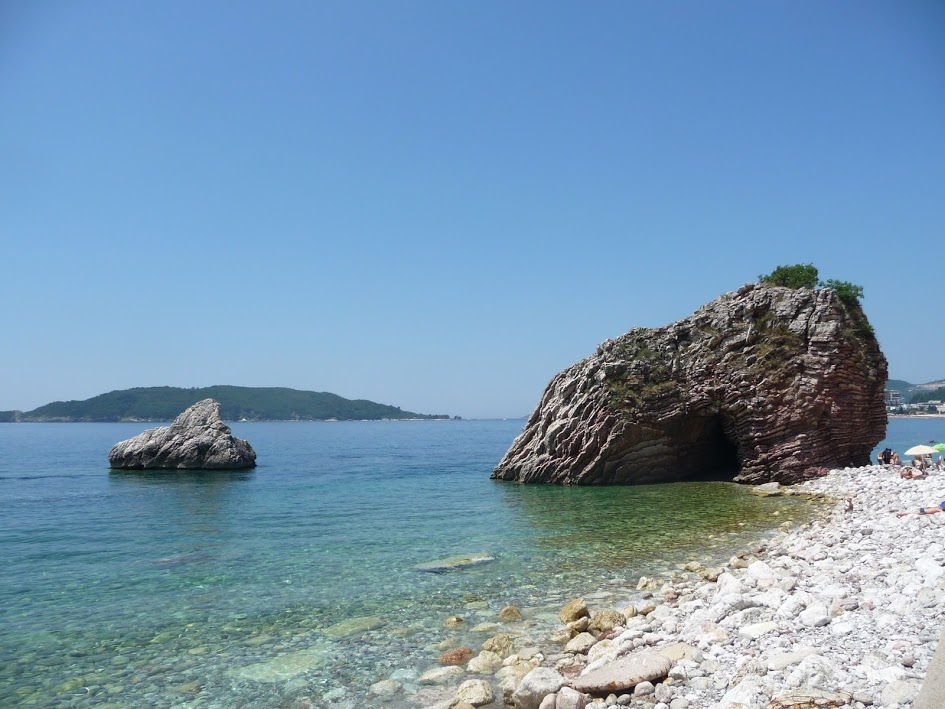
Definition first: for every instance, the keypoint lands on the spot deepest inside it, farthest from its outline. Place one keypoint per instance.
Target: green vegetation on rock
(849, 293)
(797, 276)
(806, 275)
(236, 403)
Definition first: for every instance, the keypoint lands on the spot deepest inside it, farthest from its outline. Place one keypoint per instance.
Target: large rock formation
(196, 439)
(765, 384)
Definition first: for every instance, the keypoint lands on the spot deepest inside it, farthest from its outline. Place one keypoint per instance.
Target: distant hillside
(918, 393)
(236, 403)
(900, 385)
(920, 396)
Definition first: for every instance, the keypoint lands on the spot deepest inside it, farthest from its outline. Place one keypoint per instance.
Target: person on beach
(923, 510)
(886, 456)
(908, 473)
(895, 459)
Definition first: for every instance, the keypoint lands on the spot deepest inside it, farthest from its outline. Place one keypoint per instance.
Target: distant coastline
(237, 404)
(169, 420)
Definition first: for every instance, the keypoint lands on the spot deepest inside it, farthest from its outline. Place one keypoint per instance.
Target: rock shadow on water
(180, 478)
(191, 505)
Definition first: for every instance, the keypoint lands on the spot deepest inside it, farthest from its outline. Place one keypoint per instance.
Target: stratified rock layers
(765, 384)
(197, 439)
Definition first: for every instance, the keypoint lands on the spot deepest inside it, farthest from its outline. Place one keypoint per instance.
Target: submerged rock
(279, 669)
(766, 384)
(353, 626)
(452, 563)
(197, 439)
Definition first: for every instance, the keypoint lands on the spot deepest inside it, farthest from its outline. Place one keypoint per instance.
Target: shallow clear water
(297, 579)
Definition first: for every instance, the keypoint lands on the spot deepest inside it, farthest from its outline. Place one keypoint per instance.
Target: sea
(305, 581)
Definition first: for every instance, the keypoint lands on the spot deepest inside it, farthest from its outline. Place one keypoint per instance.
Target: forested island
(236, 404)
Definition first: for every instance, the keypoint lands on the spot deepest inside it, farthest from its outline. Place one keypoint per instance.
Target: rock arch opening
(711, 453)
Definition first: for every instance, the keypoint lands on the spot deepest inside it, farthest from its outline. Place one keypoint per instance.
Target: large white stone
(813, 671)
(475, 691)
(930, 569)
(534, 686)
(581, 643)
(485, 662)
(605, 649)
(900, 692)
(760, 570)
(728, 584)
(755, 631)
(625, 673)
(569, 699)
(749, 692)
(781, 660)
(815, 616)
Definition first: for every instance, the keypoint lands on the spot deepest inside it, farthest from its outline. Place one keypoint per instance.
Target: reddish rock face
(456, 656)
(765, 384)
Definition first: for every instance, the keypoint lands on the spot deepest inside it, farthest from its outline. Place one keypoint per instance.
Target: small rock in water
(441, 675)
(500, 644)
(197, 439)
(574, 610)
(485, 662)
(766, 489)
(353, 626)
(580, 625)
(453, 563)
(456, 656)
(283, 667)
(606, 620)
(510, 614)
(386, 688)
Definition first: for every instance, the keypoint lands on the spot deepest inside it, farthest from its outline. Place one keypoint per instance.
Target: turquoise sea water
(296, 580)
(903, 433)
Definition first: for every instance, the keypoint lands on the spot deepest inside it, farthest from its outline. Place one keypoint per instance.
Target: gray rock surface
(569, 699)
(625, 673)
(768, 384)
(475, 691)
(197, 439)
(537, 684)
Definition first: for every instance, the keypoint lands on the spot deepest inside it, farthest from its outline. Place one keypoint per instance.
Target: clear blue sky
(438, 205)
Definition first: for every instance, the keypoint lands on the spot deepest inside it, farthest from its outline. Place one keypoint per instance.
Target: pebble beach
(843, 611)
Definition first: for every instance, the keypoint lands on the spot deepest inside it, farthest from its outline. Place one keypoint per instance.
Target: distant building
(893, 398)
